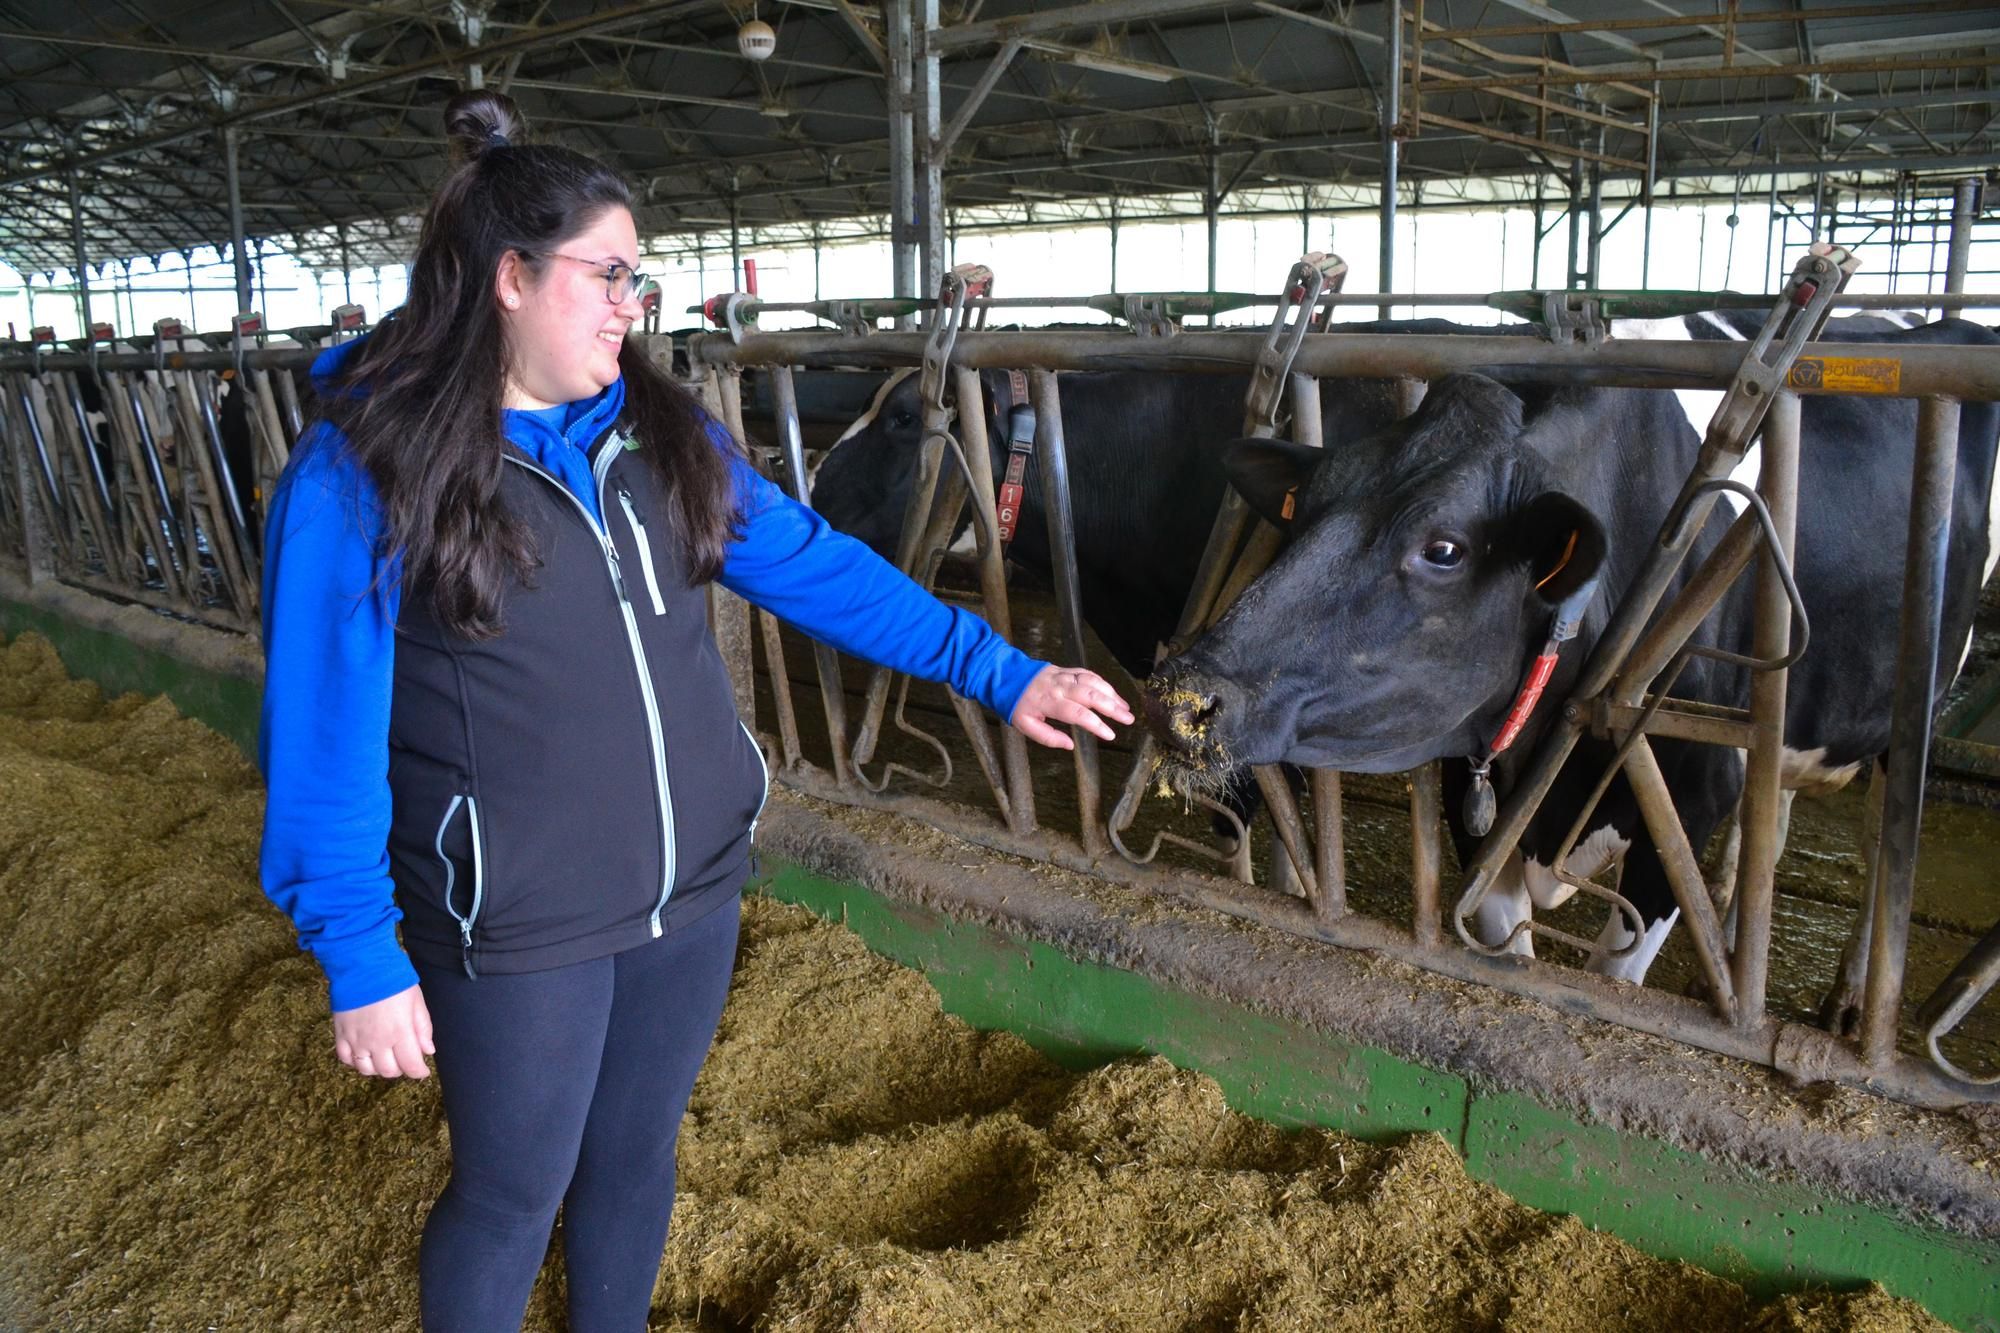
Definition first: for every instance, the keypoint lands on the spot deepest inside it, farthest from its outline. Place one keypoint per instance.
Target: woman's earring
(512, 302)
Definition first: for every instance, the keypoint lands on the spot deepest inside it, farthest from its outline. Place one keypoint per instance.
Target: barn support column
(735, 243)
(1212, 206)
(238, 257)
(1535, 263)
(1576, 241)
(1392, 112)
(1771, 221)
(187, 271)
(1652, 170)
(77, 259)
(816, 253)
(1593, 275)
(346, 267)
(1114, 244)
(925, 124)
(896, 15)
(1964, 212)
(1305, 219)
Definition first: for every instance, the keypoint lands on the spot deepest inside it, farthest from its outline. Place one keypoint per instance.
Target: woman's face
(563, 332)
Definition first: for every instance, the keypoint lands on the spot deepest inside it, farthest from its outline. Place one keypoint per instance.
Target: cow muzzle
(1192, 716)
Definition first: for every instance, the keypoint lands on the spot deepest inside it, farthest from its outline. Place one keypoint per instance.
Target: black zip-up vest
(580, 783)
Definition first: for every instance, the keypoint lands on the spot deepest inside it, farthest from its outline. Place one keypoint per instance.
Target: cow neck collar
(1019, 416)
(1563, 625)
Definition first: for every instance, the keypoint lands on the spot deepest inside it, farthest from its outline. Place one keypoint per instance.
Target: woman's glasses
(620, 279)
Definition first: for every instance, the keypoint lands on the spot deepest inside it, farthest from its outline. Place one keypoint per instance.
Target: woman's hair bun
(478, 121)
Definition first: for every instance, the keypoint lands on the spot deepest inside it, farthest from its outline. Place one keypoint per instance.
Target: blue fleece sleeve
(791, 563)
(329, 657)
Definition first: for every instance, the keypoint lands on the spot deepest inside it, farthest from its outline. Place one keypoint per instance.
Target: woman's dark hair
(420, 399)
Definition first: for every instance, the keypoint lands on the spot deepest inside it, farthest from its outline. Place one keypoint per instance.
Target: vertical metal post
(1910, 722)
(239, 257)
(1329, 846)
(1964, 212)
(77, 259)
(1392, 114)
(1819, 203)
(1772, 630)
(925, 123)
(735, 244)
(1051, 458)
(897, 18)
(1576, 234)
(1592, 276)
(1426, 858)
(1652, 171)
(1114, 243)
(38, 538)
(993, 584)
(187, 271)
(816, 251)
(785, 398)
(346, 267)
(1771, 220)
(1305, 219)
(1535, 267)
(1212, 198)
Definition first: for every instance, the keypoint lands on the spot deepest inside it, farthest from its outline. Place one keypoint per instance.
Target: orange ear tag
(1291, 503)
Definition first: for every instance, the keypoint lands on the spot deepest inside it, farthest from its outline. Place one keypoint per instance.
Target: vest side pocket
(470, 916)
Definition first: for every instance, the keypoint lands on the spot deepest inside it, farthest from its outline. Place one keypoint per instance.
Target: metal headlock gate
(136, 499)
(1625, 693)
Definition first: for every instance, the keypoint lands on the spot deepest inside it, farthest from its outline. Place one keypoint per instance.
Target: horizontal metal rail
(1915, 372)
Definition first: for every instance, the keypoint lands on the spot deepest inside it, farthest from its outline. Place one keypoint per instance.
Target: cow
(1143, 494)
(1424, 564)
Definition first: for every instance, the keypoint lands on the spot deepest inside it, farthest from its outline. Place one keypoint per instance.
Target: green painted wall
(1769, 1235)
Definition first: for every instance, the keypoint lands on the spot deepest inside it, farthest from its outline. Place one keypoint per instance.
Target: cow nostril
(1182, 715)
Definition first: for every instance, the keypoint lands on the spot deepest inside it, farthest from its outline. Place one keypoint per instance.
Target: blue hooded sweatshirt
(331, 604)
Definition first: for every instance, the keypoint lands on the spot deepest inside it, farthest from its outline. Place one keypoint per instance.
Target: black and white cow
(1424, 562)
(1143, 485)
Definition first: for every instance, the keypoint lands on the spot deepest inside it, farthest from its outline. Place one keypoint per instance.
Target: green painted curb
(229, 704)
(1771, 1236)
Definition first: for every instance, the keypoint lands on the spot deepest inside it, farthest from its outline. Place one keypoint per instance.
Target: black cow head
(863, 483)
(1421, 569)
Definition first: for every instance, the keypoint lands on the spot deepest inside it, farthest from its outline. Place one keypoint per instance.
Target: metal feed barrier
(141, 505)
(1625, 695)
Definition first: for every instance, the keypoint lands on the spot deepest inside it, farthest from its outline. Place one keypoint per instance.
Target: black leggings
(567, 1087)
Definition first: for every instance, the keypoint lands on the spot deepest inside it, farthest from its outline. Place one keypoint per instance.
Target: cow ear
(1270, 474)
(1561, 542)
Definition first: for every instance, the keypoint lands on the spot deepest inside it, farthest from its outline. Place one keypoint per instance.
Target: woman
(494, 714)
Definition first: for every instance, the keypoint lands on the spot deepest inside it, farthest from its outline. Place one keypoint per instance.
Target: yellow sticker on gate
(1847, 374)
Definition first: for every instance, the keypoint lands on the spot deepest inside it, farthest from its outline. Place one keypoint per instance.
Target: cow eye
(1442, 554)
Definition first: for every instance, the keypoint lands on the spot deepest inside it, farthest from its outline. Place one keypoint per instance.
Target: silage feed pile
(178, 1149)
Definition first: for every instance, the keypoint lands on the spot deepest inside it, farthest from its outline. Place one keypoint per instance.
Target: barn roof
(116, 112)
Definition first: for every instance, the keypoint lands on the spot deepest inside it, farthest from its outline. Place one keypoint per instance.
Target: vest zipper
(466, 922)
(756, 866)
(668, 852)
(645, 548)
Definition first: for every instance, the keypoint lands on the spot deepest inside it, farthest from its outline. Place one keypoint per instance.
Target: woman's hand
(386, 1039)
(1067, 694)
